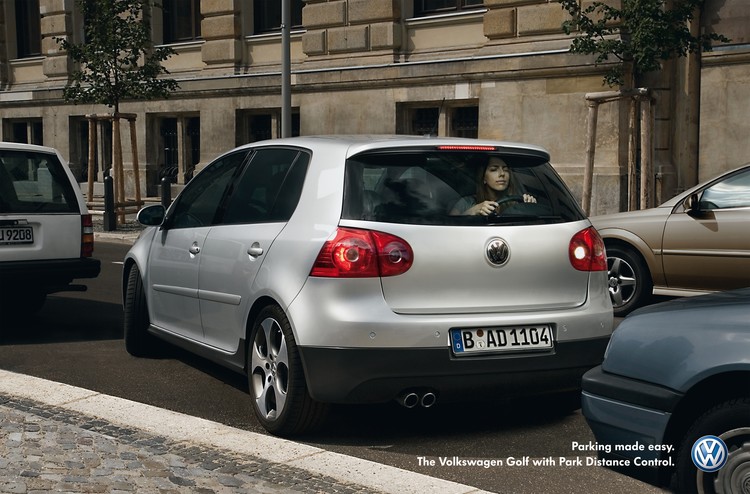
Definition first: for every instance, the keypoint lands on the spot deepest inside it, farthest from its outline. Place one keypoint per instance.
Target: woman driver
(493, 184)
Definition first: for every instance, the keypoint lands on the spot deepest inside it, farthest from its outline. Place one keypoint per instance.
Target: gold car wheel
(629, 281)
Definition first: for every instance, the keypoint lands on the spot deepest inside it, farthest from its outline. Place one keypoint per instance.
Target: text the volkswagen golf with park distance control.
(366, 269)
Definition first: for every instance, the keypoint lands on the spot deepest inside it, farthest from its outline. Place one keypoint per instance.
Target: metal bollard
(110, 220)
(166, 192)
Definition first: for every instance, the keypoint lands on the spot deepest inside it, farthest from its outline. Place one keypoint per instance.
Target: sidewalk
(125, 233)
(56, 437)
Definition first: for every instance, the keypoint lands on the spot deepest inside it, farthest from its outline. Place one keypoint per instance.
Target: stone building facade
(498, 69)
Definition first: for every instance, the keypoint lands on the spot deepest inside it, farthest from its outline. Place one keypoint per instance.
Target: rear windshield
(33, 182)
(443, 187)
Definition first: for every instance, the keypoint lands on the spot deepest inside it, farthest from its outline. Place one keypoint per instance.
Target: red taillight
(87, 236)
(354, 253)
(586, 251)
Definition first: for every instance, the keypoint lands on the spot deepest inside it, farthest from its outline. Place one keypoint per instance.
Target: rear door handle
(255, 250)
(195, 249)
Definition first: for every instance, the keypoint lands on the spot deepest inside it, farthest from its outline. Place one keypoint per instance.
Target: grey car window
(200, 201)
(269, 187)
(732, 192)
(423, 187)
(34, 183)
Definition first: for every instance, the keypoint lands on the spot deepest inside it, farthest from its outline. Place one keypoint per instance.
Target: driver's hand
(529, 198)
(485, 208)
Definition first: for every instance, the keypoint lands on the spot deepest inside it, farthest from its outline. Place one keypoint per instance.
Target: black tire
(729, 421)
(276, 379)
(630, 283)
(138, 341)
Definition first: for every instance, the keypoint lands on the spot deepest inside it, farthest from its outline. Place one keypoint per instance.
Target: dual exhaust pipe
(410, 399)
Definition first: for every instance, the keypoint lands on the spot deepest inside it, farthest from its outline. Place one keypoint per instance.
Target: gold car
(697, 242)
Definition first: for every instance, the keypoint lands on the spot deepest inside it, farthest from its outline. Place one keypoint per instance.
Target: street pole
(286, 76)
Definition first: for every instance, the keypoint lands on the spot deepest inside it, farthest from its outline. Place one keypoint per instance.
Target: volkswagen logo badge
(498, 252)
(709, 453)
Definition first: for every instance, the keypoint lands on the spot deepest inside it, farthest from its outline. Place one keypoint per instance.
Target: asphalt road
(77, 339)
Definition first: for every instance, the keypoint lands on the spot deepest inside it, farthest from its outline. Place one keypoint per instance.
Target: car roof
(682, 195)
(19, 146)
(358, 143)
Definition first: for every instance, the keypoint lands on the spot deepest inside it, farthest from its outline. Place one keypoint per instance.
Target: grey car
(671, 401)
(330, 270)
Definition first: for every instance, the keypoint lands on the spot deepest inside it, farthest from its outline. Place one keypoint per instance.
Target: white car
(46, 232)
(332, 270)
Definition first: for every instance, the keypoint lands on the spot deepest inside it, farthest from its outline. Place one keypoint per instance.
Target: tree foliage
(117, 60)
(641, 33)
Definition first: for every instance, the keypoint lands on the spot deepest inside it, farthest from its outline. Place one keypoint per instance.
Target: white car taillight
(87, 236)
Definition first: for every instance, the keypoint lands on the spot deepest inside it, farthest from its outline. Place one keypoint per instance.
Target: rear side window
(32, 182)
(198, 205)
(269, 188)
(434, 187)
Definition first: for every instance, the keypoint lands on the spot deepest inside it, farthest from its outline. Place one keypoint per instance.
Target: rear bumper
(351, 375)
(52, 274)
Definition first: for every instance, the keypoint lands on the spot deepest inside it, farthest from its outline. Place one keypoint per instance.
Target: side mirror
(151, 215)
(693, 203)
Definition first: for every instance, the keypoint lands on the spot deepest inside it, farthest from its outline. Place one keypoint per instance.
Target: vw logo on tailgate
(497, 252)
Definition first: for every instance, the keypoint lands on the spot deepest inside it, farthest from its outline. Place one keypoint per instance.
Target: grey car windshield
(426, 187)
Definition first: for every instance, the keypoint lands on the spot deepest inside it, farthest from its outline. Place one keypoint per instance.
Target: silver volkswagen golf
(364, 269)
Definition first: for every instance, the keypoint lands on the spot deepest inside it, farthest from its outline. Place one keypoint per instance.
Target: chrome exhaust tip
(428, 399)
(409, 400)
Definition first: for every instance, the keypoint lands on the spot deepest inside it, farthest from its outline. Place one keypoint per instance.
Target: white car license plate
(505, 339)
(16, 235)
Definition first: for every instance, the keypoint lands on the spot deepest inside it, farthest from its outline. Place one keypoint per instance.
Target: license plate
(16, 235)
(505, 339)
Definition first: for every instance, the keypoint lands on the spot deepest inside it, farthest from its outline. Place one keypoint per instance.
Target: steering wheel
(512, 198)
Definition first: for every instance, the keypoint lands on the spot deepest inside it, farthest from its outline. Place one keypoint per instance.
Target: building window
(24, 131)
(181, 20)
(79, 148)
(431, 7)
(28, 29)
(465, 121)
(439, 120)
(267, 14)
(424, 121)
(180, 148)
(253, 126)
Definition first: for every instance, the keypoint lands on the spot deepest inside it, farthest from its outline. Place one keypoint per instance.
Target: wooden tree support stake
(123, 205)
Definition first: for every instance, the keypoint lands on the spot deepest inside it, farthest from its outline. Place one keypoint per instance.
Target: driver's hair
(484, 192)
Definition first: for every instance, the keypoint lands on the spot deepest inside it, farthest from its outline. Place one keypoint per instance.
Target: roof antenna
(434, 132)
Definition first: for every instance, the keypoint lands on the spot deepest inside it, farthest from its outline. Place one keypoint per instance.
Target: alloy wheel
(622, 281)
(270, 369)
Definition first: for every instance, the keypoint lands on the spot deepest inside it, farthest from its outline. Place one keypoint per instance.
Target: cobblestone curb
(44, 448)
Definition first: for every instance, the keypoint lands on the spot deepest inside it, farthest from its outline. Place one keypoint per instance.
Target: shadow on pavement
(64, 319)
